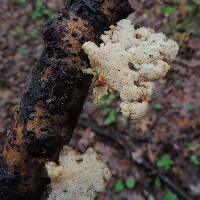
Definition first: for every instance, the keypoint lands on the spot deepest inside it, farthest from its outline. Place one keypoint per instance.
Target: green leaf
(18, 108)
(194, 160)
(119, 186)
(48, 13)
(105, 102)
(151, 197)
(170, 196)
(158, 106)
(168, 10)
(130, 183)
(189, 107)
(108, 99)
(165, 162)
(40, 10)
(111, 117)
(157, 183)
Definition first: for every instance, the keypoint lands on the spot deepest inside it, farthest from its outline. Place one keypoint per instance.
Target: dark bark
(52, 101)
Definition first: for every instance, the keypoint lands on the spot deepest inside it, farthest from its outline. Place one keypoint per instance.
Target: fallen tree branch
(52, 101)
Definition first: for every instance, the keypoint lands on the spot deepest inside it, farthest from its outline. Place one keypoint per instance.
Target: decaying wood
(53, 99)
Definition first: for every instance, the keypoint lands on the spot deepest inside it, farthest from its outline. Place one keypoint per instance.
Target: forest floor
(157, 158)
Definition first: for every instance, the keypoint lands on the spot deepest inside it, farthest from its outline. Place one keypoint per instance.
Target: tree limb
(52, 101)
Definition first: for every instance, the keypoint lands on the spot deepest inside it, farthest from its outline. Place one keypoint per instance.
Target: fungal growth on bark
(53, 98)
(78, 176)
(129, 60)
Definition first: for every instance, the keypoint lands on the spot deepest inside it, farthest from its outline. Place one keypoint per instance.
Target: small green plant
(119, 186)
(171, 10)
(111, 117)
(112, 114)
(165, 162)
(108, 99)
(189, 107)
(158, 106)
(130, 183)
(168, 10)
(150, 197)
(189, 15)
(194, 160)
(41, 10)
(170, 196)
(18, 108)
(157, 183)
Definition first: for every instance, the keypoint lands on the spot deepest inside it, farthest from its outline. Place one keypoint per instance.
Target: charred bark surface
(52, 101)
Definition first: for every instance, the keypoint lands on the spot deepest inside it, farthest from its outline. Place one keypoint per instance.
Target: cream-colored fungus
(129, 60)
(78, 176)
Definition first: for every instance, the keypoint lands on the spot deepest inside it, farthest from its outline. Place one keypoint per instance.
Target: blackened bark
(53, 99)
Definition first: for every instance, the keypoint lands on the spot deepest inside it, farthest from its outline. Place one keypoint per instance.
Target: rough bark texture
(53, 99)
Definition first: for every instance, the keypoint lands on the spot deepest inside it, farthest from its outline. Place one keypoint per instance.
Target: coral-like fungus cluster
(78, 176)
(129, 60)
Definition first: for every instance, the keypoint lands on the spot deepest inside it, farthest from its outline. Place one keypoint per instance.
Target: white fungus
(78, 176)
(129, 60)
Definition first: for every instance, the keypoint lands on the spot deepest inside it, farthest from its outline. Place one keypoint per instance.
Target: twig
(116, 138)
